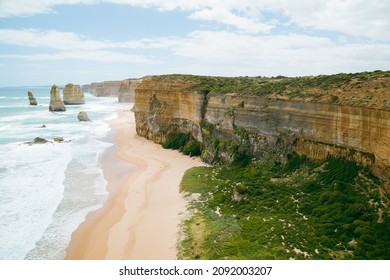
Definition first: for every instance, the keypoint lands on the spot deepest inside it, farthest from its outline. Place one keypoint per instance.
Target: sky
(44, 42)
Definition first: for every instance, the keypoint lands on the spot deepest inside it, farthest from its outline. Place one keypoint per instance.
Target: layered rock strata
(56, 103)
(32, 99)
(229, 124)
(127, 90)
(73, 95)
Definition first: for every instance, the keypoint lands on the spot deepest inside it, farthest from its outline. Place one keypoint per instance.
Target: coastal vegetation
(304, 209)
(260, 199)
(183, 142)
(279, 84)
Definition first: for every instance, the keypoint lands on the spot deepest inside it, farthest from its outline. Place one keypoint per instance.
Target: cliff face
(166, 107)
(73, 95)
(108, 88)
(354, 125)
(127, 90)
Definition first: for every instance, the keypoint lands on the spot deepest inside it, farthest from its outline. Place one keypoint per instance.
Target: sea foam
(46, 190)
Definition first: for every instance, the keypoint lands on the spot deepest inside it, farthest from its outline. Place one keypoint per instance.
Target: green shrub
(192, 148)
(176, 141)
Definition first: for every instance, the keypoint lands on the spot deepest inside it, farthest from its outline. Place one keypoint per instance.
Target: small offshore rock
(83, 117)
(38, 140)
(42, 126)
(58, 139)
(32, 99)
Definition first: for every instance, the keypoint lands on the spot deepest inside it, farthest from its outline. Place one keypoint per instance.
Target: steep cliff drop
(73, 95)
(56, 103)
(127, 90)
(343, 115)
(108, 88)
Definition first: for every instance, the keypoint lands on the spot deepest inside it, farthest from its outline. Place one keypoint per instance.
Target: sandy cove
(141, 217)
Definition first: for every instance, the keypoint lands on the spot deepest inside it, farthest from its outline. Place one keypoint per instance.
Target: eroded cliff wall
(163, 107)
(341, 121)
(127, 90)
(108, 88)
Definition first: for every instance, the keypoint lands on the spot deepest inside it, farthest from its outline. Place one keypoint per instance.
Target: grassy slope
(331, 209)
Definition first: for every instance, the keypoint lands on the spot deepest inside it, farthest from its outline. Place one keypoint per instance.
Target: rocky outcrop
(73, 95)
(58, 139)
(38, 140)
(83, 117)
(32, 99)
(355, 125)
(56, 103)
(108, 88)
(127, 90)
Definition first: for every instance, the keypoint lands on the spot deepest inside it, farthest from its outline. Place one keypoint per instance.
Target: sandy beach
(140, 219)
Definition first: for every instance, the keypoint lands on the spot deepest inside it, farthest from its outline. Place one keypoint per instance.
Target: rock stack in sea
(83, 117)
(56, 103)
(73, 95)
(31, 98)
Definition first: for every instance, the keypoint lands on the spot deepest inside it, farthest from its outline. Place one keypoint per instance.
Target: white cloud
(352, 17)
(225, 16)
(248, 46)
(210, 52)
(99, 56)
(69, 45)
(242, 54)
(50, 39)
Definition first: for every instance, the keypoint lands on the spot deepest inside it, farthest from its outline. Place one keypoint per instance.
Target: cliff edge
(342, 115)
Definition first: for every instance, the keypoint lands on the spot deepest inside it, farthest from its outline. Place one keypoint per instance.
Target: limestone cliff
(127, 90)
(108, 88)
(344, 115)
(73, 95)
(56, 103)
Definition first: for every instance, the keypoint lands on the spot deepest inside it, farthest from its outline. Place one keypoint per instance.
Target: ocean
(46, 190)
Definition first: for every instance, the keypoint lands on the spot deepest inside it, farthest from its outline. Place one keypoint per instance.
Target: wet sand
(140, 219)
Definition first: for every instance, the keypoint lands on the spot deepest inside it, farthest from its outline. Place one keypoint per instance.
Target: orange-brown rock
(73, 95)
(56, 103)
(347, 119)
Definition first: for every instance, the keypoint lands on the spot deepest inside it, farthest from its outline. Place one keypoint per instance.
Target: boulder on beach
(83, 117)
(32, 99)
(56, 103)
(73, 95)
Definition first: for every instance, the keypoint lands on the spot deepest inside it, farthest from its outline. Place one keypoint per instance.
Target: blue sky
(81, 41)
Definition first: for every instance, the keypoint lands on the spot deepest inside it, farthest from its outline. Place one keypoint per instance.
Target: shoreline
(140, 219)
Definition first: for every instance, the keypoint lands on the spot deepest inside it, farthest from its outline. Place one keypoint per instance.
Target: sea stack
(83, 117)
(56, 103)
(73, 95)
(32, 99)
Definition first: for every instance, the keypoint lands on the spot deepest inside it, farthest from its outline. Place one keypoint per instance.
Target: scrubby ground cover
(330, 209)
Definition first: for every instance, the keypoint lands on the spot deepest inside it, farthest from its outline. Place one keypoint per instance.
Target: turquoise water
(46, 190)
